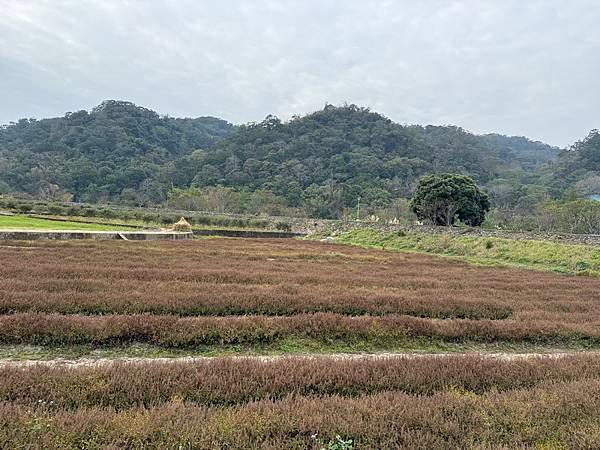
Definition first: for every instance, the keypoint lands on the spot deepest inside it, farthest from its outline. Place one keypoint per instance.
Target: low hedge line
(227, 381)
(554, 415)
(147, 216)
(176, 332)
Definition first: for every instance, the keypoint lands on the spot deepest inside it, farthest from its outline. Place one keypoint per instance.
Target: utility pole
(358, 209)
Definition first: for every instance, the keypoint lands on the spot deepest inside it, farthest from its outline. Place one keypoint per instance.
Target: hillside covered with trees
(320, 163)
(114, 152)
(327, 159)
(577, 168)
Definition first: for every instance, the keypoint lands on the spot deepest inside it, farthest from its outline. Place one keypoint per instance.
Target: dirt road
(96, 362)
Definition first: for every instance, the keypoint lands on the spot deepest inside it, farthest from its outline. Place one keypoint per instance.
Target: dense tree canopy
(577, 167)
(321, 162)
(116, 148)
(329, 158)
(443, 198)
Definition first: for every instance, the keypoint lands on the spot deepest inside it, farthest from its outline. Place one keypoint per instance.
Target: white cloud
(516, 67)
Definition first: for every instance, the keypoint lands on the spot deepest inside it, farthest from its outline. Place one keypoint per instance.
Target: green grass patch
(31, 223)
(286, 347)
(529, 254)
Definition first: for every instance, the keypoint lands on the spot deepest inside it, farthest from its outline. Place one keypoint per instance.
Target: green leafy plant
(339, 444)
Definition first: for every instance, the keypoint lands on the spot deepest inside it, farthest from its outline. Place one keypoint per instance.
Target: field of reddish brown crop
(280, 295)
(232, 381)
(425, 403)
(235, 291)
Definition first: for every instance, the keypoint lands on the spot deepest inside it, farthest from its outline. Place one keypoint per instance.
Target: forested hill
(116, 146)
(350, 151)
(577, 168)
(120, 151)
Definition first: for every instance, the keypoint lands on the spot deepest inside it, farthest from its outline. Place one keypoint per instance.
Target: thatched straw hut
(182, 226)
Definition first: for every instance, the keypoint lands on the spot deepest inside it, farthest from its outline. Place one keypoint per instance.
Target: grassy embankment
(31, 223)
(489, 251)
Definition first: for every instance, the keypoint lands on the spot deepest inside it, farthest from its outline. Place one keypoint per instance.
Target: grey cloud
(516, 67)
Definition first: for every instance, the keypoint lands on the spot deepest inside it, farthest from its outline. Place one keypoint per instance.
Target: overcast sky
(523, 67)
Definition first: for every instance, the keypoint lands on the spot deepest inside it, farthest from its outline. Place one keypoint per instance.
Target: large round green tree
(443, 198)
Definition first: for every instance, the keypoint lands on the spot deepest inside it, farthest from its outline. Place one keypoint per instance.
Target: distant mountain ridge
(115, 146)
(333, 155)
(350, 151)
(117, 120)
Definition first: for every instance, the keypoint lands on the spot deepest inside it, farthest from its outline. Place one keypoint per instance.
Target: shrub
(39, 209)
(283, 226)
(167, 219)
(25, 207)
(107, 213)
(89, 212)
(73, 211)
(9, 203)
(53, 208)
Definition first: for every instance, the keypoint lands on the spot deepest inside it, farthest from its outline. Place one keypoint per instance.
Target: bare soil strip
(99, 362)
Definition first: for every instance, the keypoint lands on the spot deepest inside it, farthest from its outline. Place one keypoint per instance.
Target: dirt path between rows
(98, 362)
